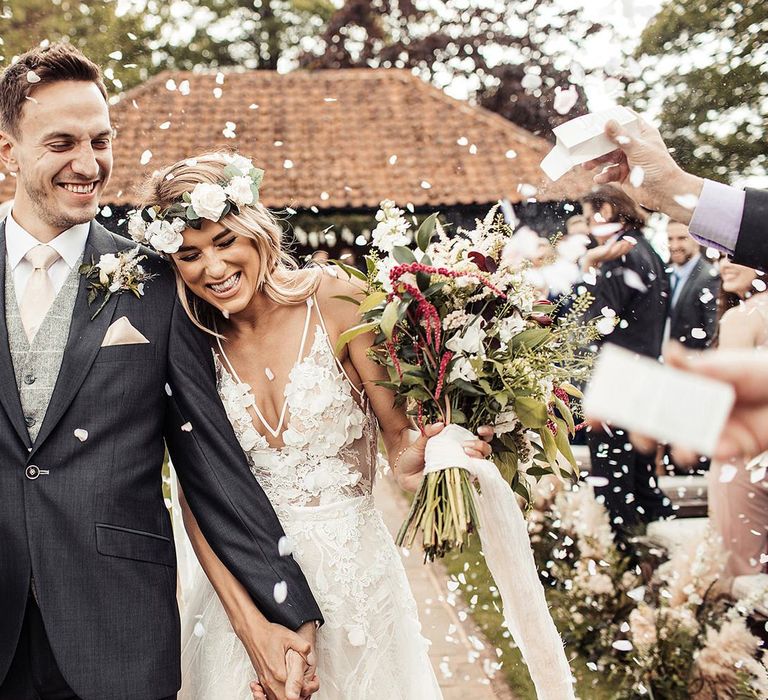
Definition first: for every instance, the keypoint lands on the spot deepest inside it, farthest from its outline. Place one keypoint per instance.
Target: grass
(486, 611)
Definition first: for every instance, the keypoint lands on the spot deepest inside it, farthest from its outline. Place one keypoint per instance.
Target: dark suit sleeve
(752, 243)
(232, 510)
(709, 310)
(611, 290)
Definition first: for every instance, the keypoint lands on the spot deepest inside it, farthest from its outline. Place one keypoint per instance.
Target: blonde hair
(255, 221)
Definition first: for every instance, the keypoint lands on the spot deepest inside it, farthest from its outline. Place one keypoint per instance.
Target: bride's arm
(404, 444)
(266, 643)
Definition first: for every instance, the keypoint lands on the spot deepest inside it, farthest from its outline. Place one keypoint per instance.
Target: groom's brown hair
(41, 66)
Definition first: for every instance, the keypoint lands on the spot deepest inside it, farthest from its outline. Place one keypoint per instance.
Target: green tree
(503, 51)
(115, 40)
(249, 33)
(705, 62)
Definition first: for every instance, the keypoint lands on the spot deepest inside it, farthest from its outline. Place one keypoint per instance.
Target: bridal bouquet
(466, 341)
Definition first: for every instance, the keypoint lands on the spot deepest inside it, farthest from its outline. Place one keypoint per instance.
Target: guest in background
(577, 225)
(738, 506)
(693, 292)
(632, 289)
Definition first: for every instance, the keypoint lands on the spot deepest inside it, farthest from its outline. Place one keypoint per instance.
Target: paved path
(460, 653)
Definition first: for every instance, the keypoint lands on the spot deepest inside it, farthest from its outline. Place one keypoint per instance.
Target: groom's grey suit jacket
(84, 521)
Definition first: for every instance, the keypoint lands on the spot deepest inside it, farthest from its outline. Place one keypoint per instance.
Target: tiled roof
(334, 139)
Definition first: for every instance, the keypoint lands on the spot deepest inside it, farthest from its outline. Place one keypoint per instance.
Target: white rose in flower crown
(208, 200)
(137, 228)
(243, 164)
(239, 190)
(470, 342)
(164, 237)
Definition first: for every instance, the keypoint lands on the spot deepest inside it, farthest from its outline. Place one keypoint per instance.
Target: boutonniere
(115, 274)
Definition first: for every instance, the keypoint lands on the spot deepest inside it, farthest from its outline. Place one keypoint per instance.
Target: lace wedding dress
(320, 483)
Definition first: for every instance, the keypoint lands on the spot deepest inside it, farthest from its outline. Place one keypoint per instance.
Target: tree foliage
(501, 50)
(114, 40)
(706, 61)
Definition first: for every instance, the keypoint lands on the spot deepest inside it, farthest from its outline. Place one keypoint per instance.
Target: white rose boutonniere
(208, 200)
(115, 274)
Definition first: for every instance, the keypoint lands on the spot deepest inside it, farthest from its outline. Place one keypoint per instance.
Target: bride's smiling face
(219, 266)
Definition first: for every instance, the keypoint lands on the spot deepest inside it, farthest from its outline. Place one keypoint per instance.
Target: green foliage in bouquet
(465, 340)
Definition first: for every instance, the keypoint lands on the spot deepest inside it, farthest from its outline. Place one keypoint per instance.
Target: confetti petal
(280, 592)
(565, 100)
(81, 434)
(689, 201)
(187, 427)
(284, 546)
(33, 77)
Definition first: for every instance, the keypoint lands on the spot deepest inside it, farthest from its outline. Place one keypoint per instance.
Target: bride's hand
(268, 647)
(409, 465)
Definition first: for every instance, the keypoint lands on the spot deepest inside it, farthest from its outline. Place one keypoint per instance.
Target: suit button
(29, 378)
(30, 421)
(32, 472)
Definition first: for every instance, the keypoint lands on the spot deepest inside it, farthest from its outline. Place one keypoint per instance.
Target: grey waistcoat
(37, 365)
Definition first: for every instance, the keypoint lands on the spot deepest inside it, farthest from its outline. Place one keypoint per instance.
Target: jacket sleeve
(232, 510)
(709, 310)
(752, 243)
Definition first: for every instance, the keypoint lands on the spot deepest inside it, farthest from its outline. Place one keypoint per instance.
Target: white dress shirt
(69, 244)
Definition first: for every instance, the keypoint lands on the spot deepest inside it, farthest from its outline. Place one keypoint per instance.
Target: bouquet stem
(443, 510)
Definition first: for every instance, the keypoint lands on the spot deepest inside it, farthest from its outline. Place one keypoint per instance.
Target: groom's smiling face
(62, 156)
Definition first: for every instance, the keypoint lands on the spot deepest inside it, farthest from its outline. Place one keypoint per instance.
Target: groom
(87, 405)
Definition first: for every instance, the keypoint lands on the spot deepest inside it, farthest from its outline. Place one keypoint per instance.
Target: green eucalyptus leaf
(532, 413)
(372, 301)
(351, 271)
(403, 255)
(191, 214)
(426, 231)
(351, 333)
(561, 439)
(531, 338)
(389, 318)
(549, 444)
(565, 412)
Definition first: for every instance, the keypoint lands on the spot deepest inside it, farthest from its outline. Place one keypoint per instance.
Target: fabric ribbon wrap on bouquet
(507, 549)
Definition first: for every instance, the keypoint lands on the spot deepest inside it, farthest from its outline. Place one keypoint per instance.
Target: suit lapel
(9, 394)
(689, 287)
(85, 336)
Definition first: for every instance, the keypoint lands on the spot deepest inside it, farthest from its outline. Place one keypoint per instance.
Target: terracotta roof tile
(340, 130)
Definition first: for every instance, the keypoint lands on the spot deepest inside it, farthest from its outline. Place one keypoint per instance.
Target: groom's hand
(301, 668)
(268, 648)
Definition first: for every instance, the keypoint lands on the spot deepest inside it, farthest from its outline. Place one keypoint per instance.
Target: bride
(309, 422)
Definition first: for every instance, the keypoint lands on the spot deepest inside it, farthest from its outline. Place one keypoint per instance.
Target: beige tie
(38, 294)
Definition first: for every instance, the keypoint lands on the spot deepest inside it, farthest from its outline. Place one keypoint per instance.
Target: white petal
(187, 427)
(280, 592)
(81, 434)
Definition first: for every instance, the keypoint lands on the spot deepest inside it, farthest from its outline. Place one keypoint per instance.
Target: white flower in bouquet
(240, 190)
(392, 229)
(675, 618)
(455, 319)
(164, 237)
(692, 569)
(383, 268)
(462, 369)
(470, 341)
(506, 422)
(208, 200)
(509, 327)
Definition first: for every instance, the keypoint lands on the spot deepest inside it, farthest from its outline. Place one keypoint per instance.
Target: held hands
(284, 661)
(409, 465)
(661, 185)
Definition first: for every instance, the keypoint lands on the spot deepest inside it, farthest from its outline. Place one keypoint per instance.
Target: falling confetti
(168, 390)
(33, 77)
(164, 125)
(622, 645)
(145, 157)
(727, 473)
(287, 164)
(510, 154)
(284, 546)
(565, 100)
(81, 434)
(426, 185)
(636, 176)
(531, 81)
(280, 592)
(698, 333)
(199, 630)
(526, 190)
(392, 160)
(688, 201)
(187, 427)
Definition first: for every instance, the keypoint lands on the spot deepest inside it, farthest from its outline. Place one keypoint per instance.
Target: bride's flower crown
(161, 228)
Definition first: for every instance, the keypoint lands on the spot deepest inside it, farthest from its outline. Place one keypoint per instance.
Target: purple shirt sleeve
(717, 217)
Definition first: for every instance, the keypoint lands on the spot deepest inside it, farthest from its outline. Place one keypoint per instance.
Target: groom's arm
(233, 512)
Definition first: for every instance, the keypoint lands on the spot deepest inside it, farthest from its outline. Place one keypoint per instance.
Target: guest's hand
(409, 466)
(606, 252)
(746, 431)
(280, 658)
(664, 186)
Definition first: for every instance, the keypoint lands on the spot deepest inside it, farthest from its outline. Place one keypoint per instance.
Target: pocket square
(121, 332)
